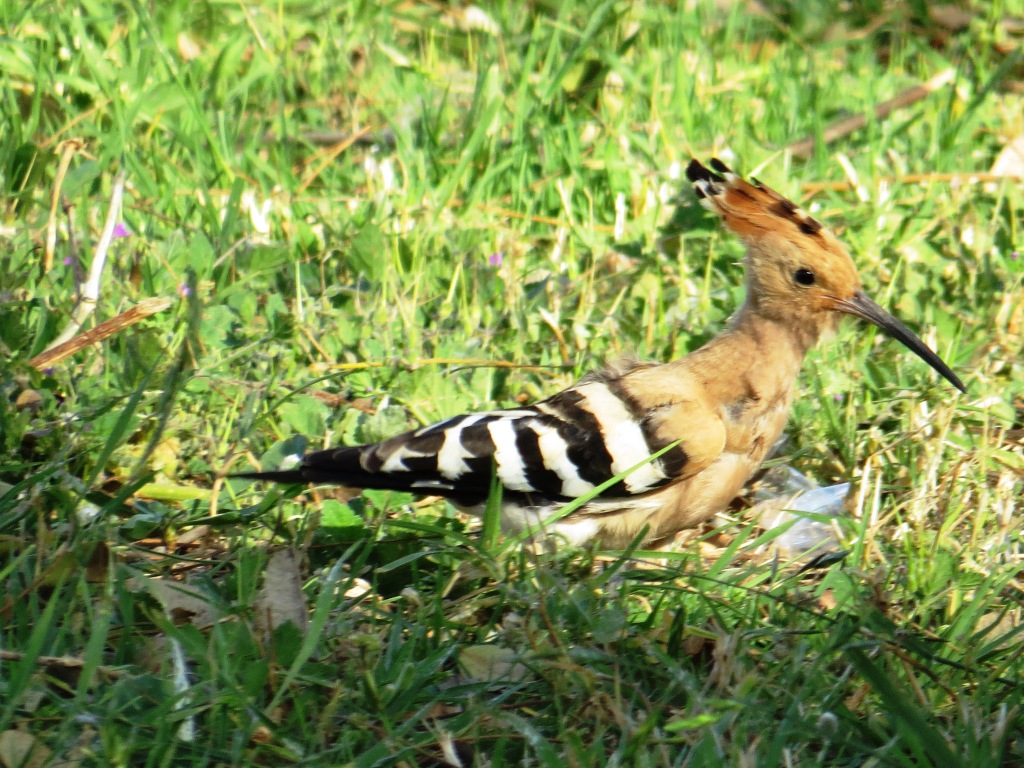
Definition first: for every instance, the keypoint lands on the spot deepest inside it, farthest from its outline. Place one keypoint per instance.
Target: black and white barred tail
(543, 455)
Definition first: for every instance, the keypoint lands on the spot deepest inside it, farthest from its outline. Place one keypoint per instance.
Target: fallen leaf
(188, 48)
(28, 399)
(999, 628)
(951, 17)
(22, 750)
(491, 663)
(181, 601)
(1010, 160)
(281, 598)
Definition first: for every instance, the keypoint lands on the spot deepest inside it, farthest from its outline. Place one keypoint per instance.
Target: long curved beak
(861, 306)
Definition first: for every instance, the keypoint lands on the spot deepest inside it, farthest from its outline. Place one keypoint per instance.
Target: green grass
(357, 206)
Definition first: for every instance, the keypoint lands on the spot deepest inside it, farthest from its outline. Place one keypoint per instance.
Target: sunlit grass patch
(368, 217)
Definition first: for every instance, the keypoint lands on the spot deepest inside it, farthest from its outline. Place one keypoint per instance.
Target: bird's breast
(754, 423)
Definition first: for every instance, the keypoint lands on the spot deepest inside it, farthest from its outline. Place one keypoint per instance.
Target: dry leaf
(188, 48)
(22, 750)
(28, 399)
(827, 601)
(281, 598)
(1010, 160)
(1009, 163)
(66, 562)
(951, 17)
(999, 628)
(182, 602)
(491, 663)
(694, 645)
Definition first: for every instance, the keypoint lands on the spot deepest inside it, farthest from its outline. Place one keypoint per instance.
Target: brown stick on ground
(126, 319)
(848, 125)
(813, 187)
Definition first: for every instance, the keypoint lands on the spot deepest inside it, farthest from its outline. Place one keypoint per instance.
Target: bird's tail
(357, 466)
(337, 466)
(290, 476)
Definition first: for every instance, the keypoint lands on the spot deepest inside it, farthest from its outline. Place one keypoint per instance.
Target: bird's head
(798, 273)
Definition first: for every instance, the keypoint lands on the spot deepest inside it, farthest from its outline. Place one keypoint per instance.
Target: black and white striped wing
(553, 451)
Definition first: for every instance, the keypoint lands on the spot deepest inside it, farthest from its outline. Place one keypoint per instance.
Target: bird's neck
(767, 331)
(757, 356)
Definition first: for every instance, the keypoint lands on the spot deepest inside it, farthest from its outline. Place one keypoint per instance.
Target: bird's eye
(804, 276)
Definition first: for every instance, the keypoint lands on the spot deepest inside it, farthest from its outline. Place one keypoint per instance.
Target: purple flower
(68, 261)
(120, 230)
(496, 258)
(184, 290)
(1015, 255)
(49, 371)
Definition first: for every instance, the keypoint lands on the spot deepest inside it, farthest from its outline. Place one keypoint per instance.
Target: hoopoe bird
(709, 419)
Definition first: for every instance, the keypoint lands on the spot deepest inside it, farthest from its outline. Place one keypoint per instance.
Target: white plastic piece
(789, 498)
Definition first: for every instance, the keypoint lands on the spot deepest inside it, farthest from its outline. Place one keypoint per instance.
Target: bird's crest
(755, 211)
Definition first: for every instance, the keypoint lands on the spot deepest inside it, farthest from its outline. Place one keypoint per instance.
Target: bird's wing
(553, 451)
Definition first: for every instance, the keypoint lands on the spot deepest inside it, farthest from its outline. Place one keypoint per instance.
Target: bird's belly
(617, 523)
(613, 522)
(543, 521)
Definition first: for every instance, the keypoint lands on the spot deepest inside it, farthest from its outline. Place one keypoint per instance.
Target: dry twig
(67, 152)
(142, 310)
(848, 125)
(91, 290)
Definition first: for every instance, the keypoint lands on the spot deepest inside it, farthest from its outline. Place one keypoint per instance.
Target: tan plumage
(727, 402)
